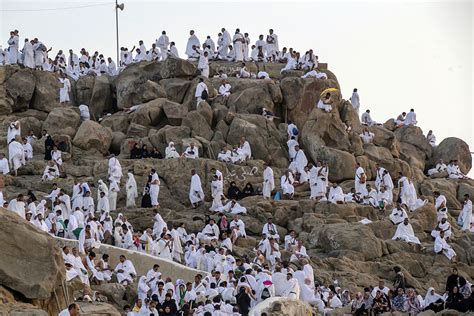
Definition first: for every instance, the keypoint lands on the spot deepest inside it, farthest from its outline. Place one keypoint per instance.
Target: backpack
(204, 95)
(265, 294)
(295, 131)
(277, 196)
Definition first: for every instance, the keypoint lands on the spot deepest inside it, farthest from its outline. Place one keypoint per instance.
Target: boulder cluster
(340, 247)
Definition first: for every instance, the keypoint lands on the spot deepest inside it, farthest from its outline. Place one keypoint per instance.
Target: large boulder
(92, 136)
(414, 135)
(84, 88)
(46, 95)
(385, 138)
(198, 125)
(325, 129)
(117, 122)
(176, 67)
(174, 112)
(265, 141)
(337, 240)
(24, 269)
(300, 96)
(150, 113)
(101, 97)
(453, 148)
(136, 84)
(341, 163)
(20, 88)
(62, 121)
(175, 88)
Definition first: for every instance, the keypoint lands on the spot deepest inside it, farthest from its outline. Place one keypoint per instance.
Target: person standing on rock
(162, 43)
(196, 194)
(65, 89)
(14, 130)
(154, 188)
(16, 155)
(114, 189)
(28, 55)
(272, 46)
(238, 41)
(268, 182)
(115, 169)
(203, 64)
(193, 40)
(13, 43)
(355, 100)
(131, 187)
(202, 92)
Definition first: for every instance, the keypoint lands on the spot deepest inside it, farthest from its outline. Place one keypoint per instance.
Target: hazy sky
(398, 54)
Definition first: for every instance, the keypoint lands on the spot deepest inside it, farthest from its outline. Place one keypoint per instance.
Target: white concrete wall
(142, 261)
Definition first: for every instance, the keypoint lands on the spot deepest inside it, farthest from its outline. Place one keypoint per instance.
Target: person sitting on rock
(225, 155)
(237, 226)
(454, 172)
(366, 119)
(191, 152)
(444, 227)
(243, 72)
(367, 136)
(439, 168)
(325, 103)
(442, 247)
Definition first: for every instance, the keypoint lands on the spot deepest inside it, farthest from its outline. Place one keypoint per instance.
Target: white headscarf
(431, 298)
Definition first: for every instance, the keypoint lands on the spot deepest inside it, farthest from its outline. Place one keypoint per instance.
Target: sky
(400, 55)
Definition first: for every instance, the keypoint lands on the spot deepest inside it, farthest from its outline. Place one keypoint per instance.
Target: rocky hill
(357, 255)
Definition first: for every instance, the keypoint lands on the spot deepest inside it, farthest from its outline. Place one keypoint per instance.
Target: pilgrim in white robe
(440, 167)
(216, 193)
(355, 100)
(465, 217)
(17, 207)
(359, 183)
(115, 169)
(441, 246)
(286, 183)
(158, 225)
(405, 232)
(292, 143)
(224, 90)
(441, 207)
(13, 44)
(398, 215)
(192, 40)
(367, 137)
(16, 155)
(132, 192)
(127, 273)
(233, 207)
(170, 151)
(299, 162)
(4, 167)
(50, 172)
(327, 107)
(14, 130)
(28, 55)
(164, 248)
(154, 189)
(196, 194)
(191, 153)
(410, 119)
(56, 156)
(114, 189)
(64, 90)
(246, 151)
(203, 65)
(28, 151)
(238, 40)
(268, 182)
(91, 265)
(336, 195)
(442, 227)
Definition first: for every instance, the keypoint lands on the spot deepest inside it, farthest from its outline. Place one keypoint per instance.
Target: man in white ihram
(406, 233)
(410, 119)
(162, 43)
(196, 194)
(192, 41)
(355, 100)
(268, 181)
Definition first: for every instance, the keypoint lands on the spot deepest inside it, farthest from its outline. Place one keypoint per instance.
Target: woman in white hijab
(170, 151)
(102, 188)
(142, 289)
(433, 301)
(132, 192)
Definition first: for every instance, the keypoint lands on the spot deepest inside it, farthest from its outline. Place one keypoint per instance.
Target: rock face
(62, 121)
(339, 246)
(91, 135)
(281, 307)
(453, 148)
(38, 276)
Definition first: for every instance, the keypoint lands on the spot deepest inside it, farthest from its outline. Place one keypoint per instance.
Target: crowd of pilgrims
(238, 48)
(235, 284)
